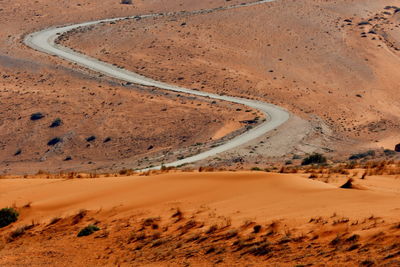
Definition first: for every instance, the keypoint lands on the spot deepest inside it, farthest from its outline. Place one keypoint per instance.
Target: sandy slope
(314, 213)
(258, 195)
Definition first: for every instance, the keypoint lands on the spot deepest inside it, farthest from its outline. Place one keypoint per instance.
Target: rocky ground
(104, 124)
(316, 58)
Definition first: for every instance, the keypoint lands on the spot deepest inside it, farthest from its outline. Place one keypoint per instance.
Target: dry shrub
(340, 221)
(231, 233)
(206, 169)
(383, 167)
(193, 237)
(212, 229)
(178, 215)
(71, 175)
(19, 232)
(260, 249)
(272, 228)
(227, 222)
(93, 175)
(257, 228)
(79, 216)
(41, 172)
(55, 220)
(247, 224)
(150, 221)
(126, 172)
(187, 226)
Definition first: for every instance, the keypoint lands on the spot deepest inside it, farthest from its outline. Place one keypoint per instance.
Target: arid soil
(129, 123)
(202, 219)
(315, 58)
(334, 64)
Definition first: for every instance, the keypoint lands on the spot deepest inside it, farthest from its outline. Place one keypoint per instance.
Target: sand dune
(300, 220)
(258, 195)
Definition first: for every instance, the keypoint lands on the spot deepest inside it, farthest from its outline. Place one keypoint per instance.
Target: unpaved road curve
(44, 41)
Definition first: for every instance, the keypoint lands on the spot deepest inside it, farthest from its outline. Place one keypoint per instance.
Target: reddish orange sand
(298, 208)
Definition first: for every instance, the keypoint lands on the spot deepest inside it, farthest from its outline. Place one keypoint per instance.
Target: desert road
(44, 41)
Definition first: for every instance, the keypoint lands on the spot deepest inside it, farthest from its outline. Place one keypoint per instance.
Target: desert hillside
(327, 63)
(100, 123)
(333, 63)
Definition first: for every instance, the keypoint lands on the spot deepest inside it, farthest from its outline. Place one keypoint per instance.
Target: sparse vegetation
(79, 216)
(178, 215)
(260, 249)
(370, 153)
(257, 229)
(126, 172)
(19, 232)
(389, 152)
(314, 159)
(8, 216)
(88, 230)
(55, 220)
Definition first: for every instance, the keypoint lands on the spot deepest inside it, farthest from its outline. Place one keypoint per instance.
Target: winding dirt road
(44, 41)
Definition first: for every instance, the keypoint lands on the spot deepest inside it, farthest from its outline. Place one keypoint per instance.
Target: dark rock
(18, 152)
(54, 141)
(397, 148)
(57, 122)
(91, 138)
(37, 116)
(249, 121)
(364, 23)
(126, 2)
(348, 184)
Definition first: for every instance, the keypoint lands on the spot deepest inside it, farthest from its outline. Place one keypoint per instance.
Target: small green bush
(314, 159)
(8, 216)
(88, 230)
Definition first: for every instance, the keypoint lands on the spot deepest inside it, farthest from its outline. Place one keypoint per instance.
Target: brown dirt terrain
(140, 122)
(202, 219)
(310, 57)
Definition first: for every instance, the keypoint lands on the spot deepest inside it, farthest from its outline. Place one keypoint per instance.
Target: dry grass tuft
(79, 216)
